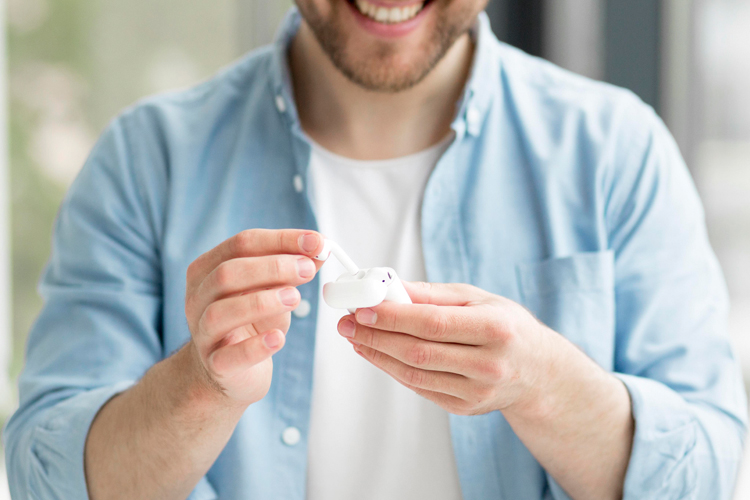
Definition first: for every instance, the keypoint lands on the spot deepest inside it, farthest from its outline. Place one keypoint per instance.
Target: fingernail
(367, 317)
(309, 242)
(288, 296)
(273, 339)
(346, 328)
(305, 268)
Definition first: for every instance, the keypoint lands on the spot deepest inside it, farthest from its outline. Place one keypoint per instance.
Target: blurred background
(68, 66)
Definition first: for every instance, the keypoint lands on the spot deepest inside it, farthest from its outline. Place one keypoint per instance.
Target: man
(578, 349)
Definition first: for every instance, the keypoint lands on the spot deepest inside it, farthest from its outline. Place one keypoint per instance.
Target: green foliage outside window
(44, 39)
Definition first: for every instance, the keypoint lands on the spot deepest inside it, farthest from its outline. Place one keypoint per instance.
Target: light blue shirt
(563, 194)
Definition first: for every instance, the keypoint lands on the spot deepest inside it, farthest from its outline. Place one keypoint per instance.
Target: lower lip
(389, 30)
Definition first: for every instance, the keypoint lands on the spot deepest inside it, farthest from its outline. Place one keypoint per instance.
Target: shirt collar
(471, 108)
(479, 90)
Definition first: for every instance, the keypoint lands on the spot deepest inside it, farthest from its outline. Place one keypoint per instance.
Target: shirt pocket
(575, 296)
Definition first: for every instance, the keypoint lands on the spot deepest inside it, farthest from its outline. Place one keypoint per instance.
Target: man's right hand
(238, 303)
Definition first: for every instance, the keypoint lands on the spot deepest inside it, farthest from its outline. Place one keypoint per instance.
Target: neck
(361, 124)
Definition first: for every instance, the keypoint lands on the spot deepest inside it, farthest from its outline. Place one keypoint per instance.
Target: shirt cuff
(58, 442)
(665, 434)
(58, 445)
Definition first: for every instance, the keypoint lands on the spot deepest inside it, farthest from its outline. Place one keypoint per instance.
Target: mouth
(393, 14)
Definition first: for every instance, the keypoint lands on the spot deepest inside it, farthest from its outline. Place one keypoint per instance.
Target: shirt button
(303, 309)
(298, 184)
(291, 436)
(280, 104)
(473, 117)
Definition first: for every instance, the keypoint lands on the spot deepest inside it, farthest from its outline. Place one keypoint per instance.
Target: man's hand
(469, 351)
(472, 352)
(238, 304)
(160, 437)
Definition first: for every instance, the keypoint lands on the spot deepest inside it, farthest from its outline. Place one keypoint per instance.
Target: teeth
(387, 15)
(381, 15)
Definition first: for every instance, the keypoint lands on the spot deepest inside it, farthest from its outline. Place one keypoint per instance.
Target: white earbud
(358, 288)
(330, 247)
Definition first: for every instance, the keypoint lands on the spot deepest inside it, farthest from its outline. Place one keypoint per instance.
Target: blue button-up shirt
(563, 194)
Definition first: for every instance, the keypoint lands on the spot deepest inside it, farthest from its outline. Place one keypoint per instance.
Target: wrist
(566, 380)
(536, 399)
(564, 376)
(201, 389)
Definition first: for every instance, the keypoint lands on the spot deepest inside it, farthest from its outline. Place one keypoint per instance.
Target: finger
(223, 316)
(278, 322)
(249, 274)
(232, 358)
(443, 294)
(256, 243)
(413, 351)
(445, 383)
(451, 404)
(454, 324)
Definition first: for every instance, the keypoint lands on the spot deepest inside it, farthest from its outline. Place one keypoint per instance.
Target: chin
(386, 45)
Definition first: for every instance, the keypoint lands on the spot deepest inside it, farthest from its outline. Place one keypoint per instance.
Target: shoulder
(171, 134)
(570, 126)
(163, 137)
(553, 105)
(234, 89)
(575, 133)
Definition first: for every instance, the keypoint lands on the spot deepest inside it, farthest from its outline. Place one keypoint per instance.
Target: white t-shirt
(370, 437)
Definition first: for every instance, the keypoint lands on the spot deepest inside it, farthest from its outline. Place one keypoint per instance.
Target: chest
(498, 223)
(486, 216)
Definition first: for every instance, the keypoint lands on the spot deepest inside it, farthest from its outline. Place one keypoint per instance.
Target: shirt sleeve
(100, 328)
(672, 349)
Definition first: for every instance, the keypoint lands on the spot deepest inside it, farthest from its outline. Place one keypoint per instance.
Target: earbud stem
(331, 247)
(348, 263)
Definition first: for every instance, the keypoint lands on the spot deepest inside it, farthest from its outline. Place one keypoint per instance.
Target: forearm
(579, 424)
(159, 438)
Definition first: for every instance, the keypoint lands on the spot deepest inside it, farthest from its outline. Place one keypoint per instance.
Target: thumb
(230, 359)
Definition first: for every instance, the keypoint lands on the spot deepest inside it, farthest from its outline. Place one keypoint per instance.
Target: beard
(385, 68)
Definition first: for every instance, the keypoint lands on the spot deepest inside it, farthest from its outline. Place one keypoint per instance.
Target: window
(722, 157)
(72, 66)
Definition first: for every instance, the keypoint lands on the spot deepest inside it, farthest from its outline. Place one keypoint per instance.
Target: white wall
(678, 89)
(573, 36)
(258, 21)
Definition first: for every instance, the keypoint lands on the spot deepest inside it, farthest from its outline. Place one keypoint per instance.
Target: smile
(389, 15)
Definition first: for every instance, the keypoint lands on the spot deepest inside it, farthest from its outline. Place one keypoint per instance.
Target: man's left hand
(467, 350)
